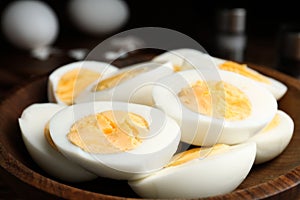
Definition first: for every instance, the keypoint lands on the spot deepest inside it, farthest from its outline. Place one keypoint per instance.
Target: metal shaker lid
(231, 20)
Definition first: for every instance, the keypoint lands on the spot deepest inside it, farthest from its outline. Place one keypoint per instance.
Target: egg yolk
(185, 65)
(195, 153)
(177, 68)
(109, 132)
(218, 99)
(242, 69)
(48, 137)
(275, 122)
(119, 78)
(74, 82)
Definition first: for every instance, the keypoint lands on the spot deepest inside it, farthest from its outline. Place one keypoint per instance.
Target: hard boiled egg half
(68, 81)
(130, 84)
(35, 133)
(272, 140)
(115, 139)
(214, 108)
(277, 88)
(183, 59)
(199, 172)
(186, 59)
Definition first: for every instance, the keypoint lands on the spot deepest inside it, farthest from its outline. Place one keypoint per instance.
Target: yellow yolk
(119, 78)
(74, 82)
(275, 121)
(108, 132)
(176, 68)
(218, 99)
(242, 69)
(195, 153)
(48, 137)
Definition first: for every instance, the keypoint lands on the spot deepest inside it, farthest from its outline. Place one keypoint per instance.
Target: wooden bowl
(276, 179)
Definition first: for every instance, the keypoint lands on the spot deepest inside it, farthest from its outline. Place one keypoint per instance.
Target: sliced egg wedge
(225, 108)
(183, 59)
(199, 172)
(273, 139)
(277, 88)
(186, 59)
(116, 140)
(130, 84)
(35, 133)
(68, 81)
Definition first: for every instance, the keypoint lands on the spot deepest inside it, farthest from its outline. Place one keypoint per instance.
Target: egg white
(152, 154)
(137, 89)
(32, 123)
(205, 130)
(192, 58)
(277, 88)
(188, 59)
(101, 67)
(273, 142)
(202, 177)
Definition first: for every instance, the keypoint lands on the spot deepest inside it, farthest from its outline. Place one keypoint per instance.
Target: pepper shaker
(230, 40)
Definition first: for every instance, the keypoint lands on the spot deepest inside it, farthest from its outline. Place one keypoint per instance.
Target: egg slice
(115, 139)
(131, 84)
(225, 108)
(273, 139)
(199, 172)
(277, 88)
(183, 59)
(186, 59)
(68, 81)
(33, 123)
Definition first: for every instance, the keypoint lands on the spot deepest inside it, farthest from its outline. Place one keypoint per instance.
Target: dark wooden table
(18, 67)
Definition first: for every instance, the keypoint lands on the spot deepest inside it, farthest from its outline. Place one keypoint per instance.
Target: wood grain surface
(276, 179)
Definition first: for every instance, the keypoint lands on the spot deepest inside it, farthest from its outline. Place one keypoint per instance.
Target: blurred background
(259, 40)
(256, 33)
(192, 17)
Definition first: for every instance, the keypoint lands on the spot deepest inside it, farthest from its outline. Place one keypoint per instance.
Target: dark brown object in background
(289, 50)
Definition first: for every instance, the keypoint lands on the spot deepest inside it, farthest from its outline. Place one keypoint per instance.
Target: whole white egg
(272, 140)
(98, 17)
(32, 123)
(226, 94)
(196, 174)
(30, 24)
(123, 147)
